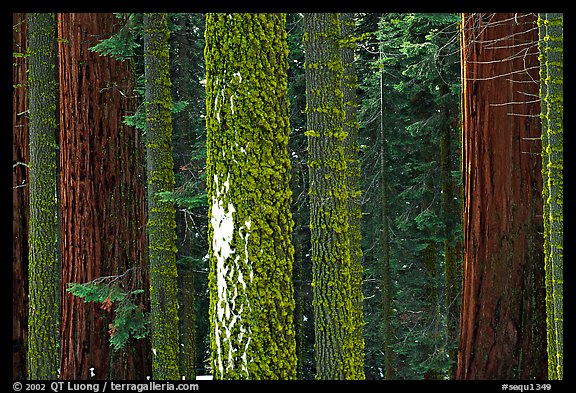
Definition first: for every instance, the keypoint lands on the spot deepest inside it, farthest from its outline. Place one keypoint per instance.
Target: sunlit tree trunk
(248, 179)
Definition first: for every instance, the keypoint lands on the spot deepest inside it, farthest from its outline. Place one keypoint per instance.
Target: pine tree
(161, 222)
(552, 99)
(338, 355)
(503, 316)
(250, 224)
(43, 266)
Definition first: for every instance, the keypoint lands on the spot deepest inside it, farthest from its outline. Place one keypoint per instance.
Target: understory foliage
(129, 318)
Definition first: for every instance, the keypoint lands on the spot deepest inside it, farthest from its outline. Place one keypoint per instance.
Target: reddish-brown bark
(19, 198)
(102, 195)
(502, 322)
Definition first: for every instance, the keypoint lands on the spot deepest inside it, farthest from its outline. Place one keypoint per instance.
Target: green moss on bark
(338, 352)
(551, 92)
(161, 222)
(43, 268)
(250, 224)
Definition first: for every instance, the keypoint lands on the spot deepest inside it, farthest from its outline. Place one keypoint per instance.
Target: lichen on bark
(250, 224)
(338, 353)
(43, 265)
(161, 214)
(551, 93)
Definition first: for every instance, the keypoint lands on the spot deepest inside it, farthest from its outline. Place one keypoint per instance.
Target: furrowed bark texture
(354, 203)
(102, 196)
(20, 196)
(552, 92)
(161, 224)
(503, 320)
(250, 223)
(336, 352)
(43, 267)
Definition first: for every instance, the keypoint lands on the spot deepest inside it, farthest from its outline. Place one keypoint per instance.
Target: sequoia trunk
(19, 197)
(102, 192)
(503, 321)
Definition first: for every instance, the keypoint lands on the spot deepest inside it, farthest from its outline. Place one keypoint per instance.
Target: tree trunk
(102, 192)
(20, 197)
(337, 357)
(354, 203)
(161, 215)
(248, 180)
(452, 244)
(552, 96)
(183, 137)
(503, 321)
(43, 266)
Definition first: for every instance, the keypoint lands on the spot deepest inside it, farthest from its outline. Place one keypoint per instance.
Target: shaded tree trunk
(183, 137)
(248, 179)
(503, 321)
(102, 192)
(43, 266)
(452, 243)
(20, 196)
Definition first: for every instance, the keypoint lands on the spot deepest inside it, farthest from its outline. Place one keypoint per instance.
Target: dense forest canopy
(288, 196)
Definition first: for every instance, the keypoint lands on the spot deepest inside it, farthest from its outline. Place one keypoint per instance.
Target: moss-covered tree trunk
(250, 224)
(43, 266)
(338, 355)
(102, 196)
(354, 204)
(161, 222)
(503, 318)
(552, 99)
(20, 196)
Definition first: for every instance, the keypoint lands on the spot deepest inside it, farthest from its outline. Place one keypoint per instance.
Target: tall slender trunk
(337, 356)
(354, 205)
(181, 128)
(43, 266)
(388, 335)
(552, 115)
(503, 320)
(452, 245)
(161, 222)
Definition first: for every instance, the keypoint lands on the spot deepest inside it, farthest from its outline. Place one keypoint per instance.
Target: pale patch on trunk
(229, 310)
